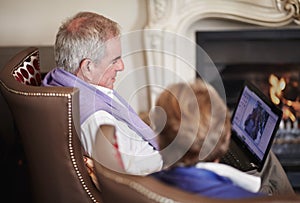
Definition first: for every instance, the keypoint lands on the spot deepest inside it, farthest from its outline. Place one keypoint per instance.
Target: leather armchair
(47, 120)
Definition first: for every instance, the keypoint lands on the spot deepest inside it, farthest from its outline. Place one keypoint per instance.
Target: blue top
(203, 182)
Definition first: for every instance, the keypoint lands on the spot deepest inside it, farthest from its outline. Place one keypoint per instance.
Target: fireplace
(268, 18)
(185, 17)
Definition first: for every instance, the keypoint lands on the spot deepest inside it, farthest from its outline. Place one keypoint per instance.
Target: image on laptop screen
(254, 122)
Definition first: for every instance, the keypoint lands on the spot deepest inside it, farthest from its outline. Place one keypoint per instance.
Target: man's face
(105, 71)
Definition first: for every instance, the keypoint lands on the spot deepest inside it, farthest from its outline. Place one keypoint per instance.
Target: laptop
(255, 122)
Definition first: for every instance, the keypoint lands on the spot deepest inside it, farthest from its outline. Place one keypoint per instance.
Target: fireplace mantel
(171, 22)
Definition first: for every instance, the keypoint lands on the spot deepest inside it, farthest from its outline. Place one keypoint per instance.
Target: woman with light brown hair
(193, 126)
(199, 111)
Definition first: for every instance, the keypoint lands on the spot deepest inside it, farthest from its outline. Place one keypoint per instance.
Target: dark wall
(46, 56)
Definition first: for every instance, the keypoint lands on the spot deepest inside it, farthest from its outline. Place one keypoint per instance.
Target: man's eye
(116, 60)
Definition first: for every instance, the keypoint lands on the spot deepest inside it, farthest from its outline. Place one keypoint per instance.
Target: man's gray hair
(83, 36)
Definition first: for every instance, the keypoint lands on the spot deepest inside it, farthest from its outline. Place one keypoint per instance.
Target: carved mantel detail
(290, 6)
(168, 19)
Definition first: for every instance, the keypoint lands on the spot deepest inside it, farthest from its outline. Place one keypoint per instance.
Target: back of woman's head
(196, 126)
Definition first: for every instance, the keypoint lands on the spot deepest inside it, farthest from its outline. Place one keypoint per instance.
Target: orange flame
(288, 114)
(276, 88)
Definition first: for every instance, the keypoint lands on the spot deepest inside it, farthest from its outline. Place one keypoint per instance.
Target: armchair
(47, 120)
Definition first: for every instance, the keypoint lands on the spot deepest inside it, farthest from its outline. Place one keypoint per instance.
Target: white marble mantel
(170, 22)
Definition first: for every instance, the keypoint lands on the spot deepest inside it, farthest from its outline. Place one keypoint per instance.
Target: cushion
(89, 163)
(28, 72)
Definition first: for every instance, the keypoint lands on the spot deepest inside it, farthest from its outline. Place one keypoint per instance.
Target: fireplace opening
(252, 55)
(270, 59)
(233, 77)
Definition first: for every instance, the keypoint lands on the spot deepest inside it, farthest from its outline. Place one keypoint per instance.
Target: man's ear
(85, 72)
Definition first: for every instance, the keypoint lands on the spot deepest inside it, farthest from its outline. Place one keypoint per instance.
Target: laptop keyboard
(231, 159)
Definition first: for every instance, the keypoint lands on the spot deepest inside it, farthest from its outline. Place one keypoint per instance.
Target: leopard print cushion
(28, 72)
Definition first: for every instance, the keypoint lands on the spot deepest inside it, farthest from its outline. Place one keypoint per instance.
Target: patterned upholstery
(28, 72)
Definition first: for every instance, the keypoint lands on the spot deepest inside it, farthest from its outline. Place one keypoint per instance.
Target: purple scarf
(92, 100)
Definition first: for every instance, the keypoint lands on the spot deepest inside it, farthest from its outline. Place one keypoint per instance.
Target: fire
(277, 86)
(288, 114)
(276, 95)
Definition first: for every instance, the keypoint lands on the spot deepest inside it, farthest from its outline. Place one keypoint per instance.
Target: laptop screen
(255, 121)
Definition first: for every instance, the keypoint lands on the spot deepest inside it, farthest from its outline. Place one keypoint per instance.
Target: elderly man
(88, 56)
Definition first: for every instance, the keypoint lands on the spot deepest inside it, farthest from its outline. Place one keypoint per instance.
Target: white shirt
(244, 180)
(138, 156)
